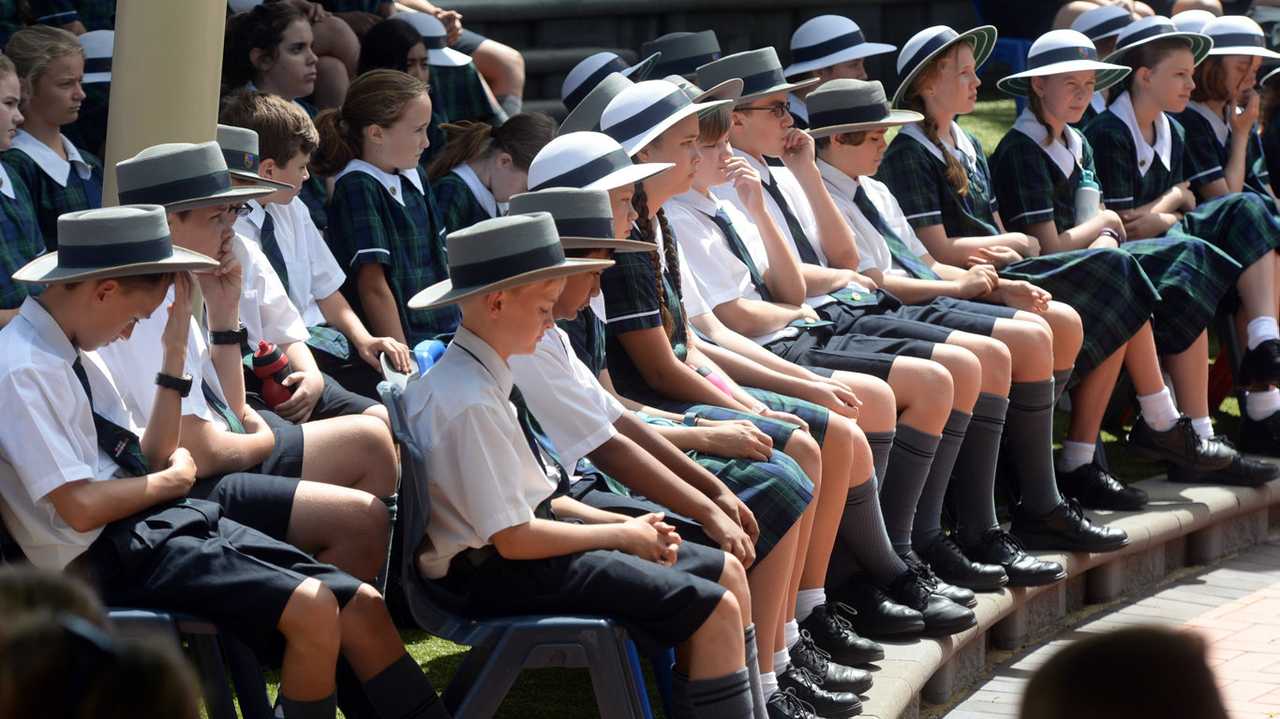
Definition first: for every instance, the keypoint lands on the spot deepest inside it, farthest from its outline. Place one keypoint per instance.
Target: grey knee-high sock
(753, 672)
(1060, 379)
(402, 691)
(862, 535)
(881, 444)
(326, 708)
(928, 524)
(909, 463)
(726, 697)
(1029, 430)
(974, 498)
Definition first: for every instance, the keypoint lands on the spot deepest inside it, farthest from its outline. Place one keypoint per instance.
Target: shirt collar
(257, 214)
(6, 184)
(1123, 109)
(47, 329)
(489, 359)
(1216, 121)
(482, 194)
(837, 180)
(1065, 153)
(1098, 102)
(392, 182)
(761, 167)
(58, 169)
(964, 151)
(706, 204)
(798, 107)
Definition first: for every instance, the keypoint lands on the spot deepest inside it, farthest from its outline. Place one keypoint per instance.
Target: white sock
(791, 633)
(769, 682)
(1203, 427)
(807, 600)
(1158, 410)
(1260, 405)
(1261, 329)
(781, 660)
(1075, 455)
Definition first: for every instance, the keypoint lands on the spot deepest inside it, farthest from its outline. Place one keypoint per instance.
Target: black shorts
(594, 491)
(819, 350)
(335, 400)
(353, 373)
(261, 501)
(468, 41)
(285, 459)
(978, 318)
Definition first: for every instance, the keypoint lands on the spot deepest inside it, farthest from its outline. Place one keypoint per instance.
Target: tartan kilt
(1107, 288)
(1240, 224)
(1192, 277)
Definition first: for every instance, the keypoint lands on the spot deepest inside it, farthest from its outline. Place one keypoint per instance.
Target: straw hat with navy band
(1062, 51)
(682, 52)
(590, 160)
(846, 105)
(584, 218)
(501, 253)
(933, 42)
(182, 176)
(123, 241)
(829, 40)
(1238, 35)
(99, 46)
(586, 75)
(642, 112)
(759, 70)
(240, 150)
(435, 38)
(1192, 20)
(1102, 22)
(1156, 27)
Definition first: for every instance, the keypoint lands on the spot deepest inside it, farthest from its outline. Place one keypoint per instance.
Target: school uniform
(459, 93)
(485, 478)
(184, 555)
(1036, 183)
(1270, 137)
(20, 240)
(915, 172)
(1207, 142)
(463, 199)
(57, 186)
(799, 111)
(391, 220)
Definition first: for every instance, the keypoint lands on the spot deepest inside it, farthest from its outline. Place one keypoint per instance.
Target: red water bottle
(272, 367)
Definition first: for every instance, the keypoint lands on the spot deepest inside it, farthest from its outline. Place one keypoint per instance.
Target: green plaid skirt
(1240, 224)
(1192, 277)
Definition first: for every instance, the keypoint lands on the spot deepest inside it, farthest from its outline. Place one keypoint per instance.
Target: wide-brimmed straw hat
(1062, 51)
(1102, 22)
(642, 112)
(590, 160)
(435, 38)
(1156, 27)
(932, 42)
(759, 70)
(682, 52)
(829, 40)
(1238, 35)
(586, 75)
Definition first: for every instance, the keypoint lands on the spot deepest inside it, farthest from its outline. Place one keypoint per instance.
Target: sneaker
(1260, 436)
(1179, 445)
(949, 563)
(876, 614)
(1065, 528)
(808, 687)
(1095, 488)
(959, 595)
(835, 677)
(999, 547)
(1242, 472)
(941, 615)
(784, 704)
(832, 630)
(1260, 367)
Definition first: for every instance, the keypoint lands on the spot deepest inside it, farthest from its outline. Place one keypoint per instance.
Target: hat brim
(1262, 52)
(227, 196)
(44, 269)
(784, 87)
(849, 54)
(1200, 46)
(730, 89)
(255, 177)
(443, 292)
(895, 118)
(94, 77)
(1269, 76)
(642, 70)
(447, 57)
(629, 175)
(598, 243)
(1019, 85)
(635, 144)
(981, 39)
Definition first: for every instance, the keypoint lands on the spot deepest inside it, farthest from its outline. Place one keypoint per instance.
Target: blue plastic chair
(1010, 52)
(503, 647)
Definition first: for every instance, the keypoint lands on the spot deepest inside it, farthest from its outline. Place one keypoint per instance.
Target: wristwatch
(181, 385)
(229, 337)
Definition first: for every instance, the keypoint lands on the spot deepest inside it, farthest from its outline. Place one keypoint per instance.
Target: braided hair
(956, 174)
(645, 233)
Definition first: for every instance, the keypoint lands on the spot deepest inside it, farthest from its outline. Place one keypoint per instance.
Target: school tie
(221, 407)
(271, 248)
(739, 249)
(122, 445)
(897, 248)
(539, 444)
(798, 236)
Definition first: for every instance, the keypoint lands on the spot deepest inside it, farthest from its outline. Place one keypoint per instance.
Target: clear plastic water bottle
(1088, 197)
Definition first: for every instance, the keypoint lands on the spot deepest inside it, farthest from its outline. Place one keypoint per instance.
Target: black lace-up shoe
(876, 614)
(1065, 528)
(835, 677)
(951, 565)
(1095, 488)
(833, 632)
(999, 547)
(1260, 367)
(784, 704)
(1242, 472)
(959, 595)
(1179, 445)
(941, 615)
(1260, 436)
(808, 687)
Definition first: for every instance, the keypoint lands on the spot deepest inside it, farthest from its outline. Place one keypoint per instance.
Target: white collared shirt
(392, 182)
(265, 308)
(314, 274)
(484, 478)
(873, 251)
(1147, 153)
(483, 195)
(576, 413)
(6, 184)
(1098, 102)
(58, 169)
(962, 149)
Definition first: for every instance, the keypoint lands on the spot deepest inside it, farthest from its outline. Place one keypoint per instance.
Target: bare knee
(1065, 324)
(502, 65)
(335, 38)
(804, 449)
(380, 412)
(965, 371)
(734, 578)
(924, 390)
(310, 618)
(879, 410)
(861, 466)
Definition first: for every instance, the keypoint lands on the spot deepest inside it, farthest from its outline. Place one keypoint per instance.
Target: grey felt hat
(586, 114)
(584, 218)
(501, 253)
(112, 242)
(584, 76)
(240, 150)
(682, 52)
(841, 106)
(759, 70)
(728, 90)
(182, 176)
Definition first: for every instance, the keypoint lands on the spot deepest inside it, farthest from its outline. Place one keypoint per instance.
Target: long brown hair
(375, 98)
(956, 174)
(1211, 81)
(521, 136)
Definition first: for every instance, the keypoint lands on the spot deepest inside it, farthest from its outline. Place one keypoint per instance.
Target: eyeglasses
(777, 109)
(241, 210)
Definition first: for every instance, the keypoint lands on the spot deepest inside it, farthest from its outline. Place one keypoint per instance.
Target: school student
(59, 176)
(457, 86)
(497, 541)
(1102, 25)
(1046, 181)
(828, 47)
(1141, 163)
(280, 224)
(20, 240)
(482, 166)
(90, 128)
(84, 493)
(593, 69)
(385, 227)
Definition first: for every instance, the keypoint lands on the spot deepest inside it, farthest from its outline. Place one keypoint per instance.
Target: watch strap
(181, 385)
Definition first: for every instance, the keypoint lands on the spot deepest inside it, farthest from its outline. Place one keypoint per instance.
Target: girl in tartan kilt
(1041, 166)
(20, 240)
(1142, 162)
(940, 177)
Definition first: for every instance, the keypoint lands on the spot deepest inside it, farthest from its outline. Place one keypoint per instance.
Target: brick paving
(1234, 605)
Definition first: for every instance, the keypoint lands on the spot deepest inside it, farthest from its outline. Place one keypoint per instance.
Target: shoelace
(1008, 541)
(811, 677)
(1189, 437)
(810, 653)
(839, 612)
(921, 570)
(792, 703)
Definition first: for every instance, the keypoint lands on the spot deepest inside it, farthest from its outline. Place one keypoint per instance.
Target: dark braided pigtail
(670, 251)
(644, 226)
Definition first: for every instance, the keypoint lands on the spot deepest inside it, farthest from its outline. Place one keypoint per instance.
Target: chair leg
(247, 678)
(207, 656)
(663, 665)
(637, 675)
(615, 686)
(482, 681)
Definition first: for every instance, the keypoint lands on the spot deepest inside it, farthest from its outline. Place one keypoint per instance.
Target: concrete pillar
(165, 77)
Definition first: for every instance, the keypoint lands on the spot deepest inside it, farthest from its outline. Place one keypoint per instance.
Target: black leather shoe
(784, 704)
(1260, 366)
(877, 615)
(999, 547)
(835, 677)
(959, 595)
(1243, 472)
(1065, 528)
(1095, 488)
(951, 566)
(941, 615)
(808, 687)
(1180, 446)
(1261, 436)
(832, 631)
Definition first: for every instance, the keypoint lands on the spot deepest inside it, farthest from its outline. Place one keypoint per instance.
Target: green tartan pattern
(587, 337)
(459, 93)
(458, 207)
(50, 199)
(631, 304)
(1031, 188)
(919, 183)
(1124, 187)
(20, 242)
(1206, 158)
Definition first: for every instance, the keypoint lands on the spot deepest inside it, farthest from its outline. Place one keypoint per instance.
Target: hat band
(241, 160)
(479, 274)
(1108, 26)
(588, 173)
(188, 188)
(928, 49)
(434, 42)
(848, 115)
(1237, 39)
(1062, 54)
(649, 117)
(761, 81)
(1147, 34)
(97, 65)
(598, 227)
(827, 47)
(584, 88)
(91, 257)
(686, 65)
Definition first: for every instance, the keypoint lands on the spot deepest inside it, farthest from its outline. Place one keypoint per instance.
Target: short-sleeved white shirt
(484, 478)
(873, 252)
(571, 406)
(265, 308)
(314, 274)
